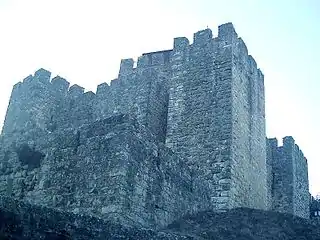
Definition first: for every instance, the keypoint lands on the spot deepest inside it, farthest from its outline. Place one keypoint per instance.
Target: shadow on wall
(29, 156)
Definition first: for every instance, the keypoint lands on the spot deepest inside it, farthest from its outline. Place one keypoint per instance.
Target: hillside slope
(21, 221)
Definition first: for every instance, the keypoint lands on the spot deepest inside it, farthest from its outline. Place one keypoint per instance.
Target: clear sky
(84, 40)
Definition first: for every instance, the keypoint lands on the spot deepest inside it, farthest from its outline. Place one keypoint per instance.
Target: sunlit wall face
(84, 41)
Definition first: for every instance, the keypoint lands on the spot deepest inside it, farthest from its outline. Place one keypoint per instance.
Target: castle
(182, 131)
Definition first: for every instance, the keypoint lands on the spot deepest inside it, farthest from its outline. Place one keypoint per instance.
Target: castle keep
(183, 131)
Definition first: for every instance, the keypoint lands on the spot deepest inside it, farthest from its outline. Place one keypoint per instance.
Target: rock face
(244, 223)
(21, 221)
(182, 132)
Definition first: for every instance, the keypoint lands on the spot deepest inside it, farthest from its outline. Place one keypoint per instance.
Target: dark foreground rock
(21, 221)
(246, 224)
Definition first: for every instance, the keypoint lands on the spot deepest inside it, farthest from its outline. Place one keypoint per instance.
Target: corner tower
(289, 186)
(216, 117)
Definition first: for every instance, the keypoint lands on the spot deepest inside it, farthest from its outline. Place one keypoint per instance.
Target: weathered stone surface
(183, 131)
(289, 178)
(112, 168)
(216, 117)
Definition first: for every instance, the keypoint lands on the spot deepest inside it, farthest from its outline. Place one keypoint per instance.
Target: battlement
(40, 99)
(60, 84)
(202, 37)
(102, 89)
(227, 36)
(76, 91)
(126, 67)
(227, 33)
(180, 43)
(132, 81)
(288, 143)
(42, 75)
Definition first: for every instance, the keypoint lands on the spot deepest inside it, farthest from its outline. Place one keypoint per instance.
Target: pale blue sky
(84, 41)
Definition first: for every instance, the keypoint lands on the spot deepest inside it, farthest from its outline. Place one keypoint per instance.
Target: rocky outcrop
(21, 221)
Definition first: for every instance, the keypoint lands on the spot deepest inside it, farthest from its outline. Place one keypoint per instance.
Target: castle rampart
(202, 99)
(185, 127)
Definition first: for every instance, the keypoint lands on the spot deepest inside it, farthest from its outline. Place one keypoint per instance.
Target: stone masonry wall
(111, 168)
(289, 178)
(282, 176)
(140, 91)
(48, 105)
(301, 195)
(199, 106)
(216, 117)
(205, 101)
(30, 99)
(249, 172)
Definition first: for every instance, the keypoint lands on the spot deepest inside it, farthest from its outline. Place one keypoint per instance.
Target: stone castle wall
(48, 105)
(203, 104)
(289, 178)
(111, 168)
(248, 131)
(205, 100)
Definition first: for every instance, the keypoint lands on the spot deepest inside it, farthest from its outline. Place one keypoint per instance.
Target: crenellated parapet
(42, 103)
(48, 105)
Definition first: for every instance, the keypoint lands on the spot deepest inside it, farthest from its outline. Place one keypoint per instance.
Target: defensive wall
(194, 137)
(288, 177)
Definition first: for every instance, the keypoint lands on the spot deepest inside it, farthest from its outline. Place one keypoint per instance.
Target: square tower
(216, 117)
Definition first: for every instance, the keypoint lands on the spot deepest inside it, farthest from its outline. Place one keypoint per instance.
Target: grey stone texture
(111, 168)
(288, 177)
(216, 117)
(183, 131)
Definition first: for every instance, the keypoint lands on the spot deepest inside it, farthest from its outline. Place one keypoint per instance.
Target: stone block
(202, 37)
(75, 91)
(42, 75)
(60, 84)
